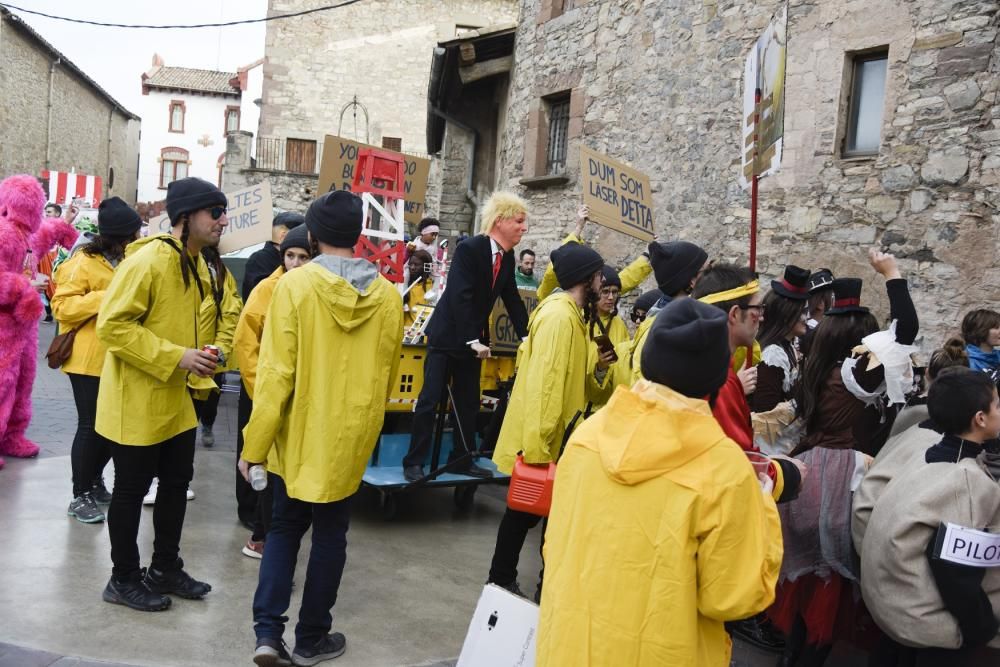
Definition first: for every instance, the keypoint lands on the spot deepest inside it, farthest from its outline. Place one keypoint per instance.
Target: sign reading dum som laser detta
(619, 196)
(340, 157)
(249, 214)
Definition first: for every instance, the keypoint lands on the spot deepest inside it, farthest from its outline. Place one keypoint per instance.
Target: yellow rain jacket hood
(659, 532)
(554, 381)
(147, 320)
(328, 359)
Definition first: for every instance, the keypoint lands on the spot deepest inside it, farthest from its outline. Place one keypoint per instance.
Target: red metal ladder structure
(380, 175)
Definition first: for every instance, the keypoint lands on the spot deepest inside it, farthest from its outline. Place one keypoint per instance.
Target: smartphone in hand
(605, 345)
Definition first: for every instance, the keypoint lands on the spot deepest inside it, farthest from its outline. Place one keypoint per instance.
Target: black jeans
(208, 409)
(91, 451)
(327, 557)
(251, 506)
(462, 370)
(514, 527)
(135, 467)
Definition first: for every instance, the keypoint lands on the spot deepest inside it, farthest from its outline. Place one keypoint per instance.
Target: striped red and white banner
(64, 187)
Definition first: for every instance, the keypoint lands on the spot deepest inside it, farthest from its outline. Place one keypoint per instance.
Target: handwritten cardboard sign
(503, 337)
(249, 214)
(340, 157)
(619, 196)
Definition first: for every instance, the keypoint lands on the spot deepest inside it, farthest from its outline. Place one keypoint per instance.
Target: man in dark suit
(265, 261)
(458, 334)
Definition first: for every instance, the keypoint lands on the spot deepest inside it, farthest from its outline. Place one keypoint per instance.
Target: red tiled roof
(196, 80)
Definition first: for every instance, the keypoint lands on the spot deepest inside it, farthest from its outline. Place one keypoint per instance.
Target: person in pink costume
(21, 203)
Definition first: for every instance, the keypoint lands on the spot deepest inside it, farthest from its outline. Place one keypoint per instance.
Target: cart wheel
(387, 501)
(464, 496)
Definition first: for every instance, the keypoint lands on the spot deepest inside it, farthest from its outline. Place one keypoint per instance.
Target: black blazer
(463, 312)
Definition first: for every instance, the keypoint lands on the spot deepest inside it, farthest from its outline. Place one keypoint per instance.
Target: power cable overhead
(224, 24)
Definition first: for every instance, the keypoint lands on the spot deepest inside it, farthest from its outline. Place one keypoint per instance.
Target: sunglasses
(216, 212)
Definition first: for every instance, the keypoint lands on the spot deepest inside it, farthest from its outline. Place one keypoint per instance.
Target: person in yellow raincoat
(219, 324)
(551, 390)
(677, 265)
(660, 530)
(631, 276)
(420, 282)
(81, 281)
(328, 360)
(149, 323)
(607, 322)
(254, 508)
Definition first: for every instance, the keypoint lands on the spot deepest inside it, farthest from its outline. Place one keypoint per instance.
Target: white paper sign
(966, 546)
(502, 632)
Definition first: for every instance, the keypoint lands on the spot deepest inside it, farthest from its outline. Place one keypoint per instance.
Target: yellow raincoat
(553, 383)
(328, 361)
(659, 532)
(80, 284)
(147, 320)
(631, 276)
(250, 328)
(416, 294)
(217, 330)
(620, 373)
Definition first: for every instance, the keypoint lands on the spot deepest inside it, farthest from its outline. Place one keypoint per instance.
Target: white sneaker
(150, 498)
(190, 494)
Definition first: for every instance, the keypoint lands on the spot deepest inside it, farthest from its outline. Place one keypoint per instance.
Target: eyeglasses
(216, 212)
(610, 292)
(757, 309)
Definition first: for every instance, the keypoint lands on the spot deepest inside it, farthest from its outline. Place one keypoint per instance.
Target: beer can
(211, 349)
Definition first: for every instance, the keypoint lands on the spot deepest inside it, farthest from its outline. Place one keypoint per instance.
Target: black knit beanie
(335, 219)
(296, 238)
(192, 194)
(574, 263)
(116, 219)
(611, 278)
(647, 300)
(289, 219)
(675, 264)
(688, 348)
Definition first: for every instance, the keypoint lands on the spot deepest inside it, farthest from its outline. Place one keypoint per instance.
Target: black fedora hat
(821, 279)
(846, 297)
(794, 285)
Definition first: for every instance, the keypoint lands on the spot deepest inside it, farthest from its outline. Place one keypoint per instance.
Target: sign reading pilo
(250, 214)
(340, 157)
(619, 196)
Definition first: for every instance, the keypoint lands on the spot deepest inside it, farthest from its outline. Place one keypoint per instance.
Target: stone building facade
(658, 85)
(56, 118)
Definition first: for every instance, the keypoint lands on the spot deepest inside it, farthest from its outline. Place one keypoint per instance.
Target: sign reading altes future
(619, 196)
(340, 157)
(249, 214)
(764, 124)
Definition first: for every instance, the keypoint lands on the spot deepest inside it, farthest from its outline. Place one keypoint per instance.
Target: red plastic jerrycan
(531, 487)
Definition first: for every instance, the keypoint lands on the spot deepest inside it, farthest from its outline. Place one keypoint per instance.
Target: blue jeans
(290, 521)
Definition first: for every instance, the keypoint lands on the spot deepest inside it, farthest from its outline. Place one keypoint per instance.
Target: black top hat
(795, 284)
(846, 297)
(821, 279)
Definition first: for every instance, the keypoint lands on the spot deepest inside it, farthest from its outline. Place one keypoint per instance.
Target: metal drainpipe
(470, 194)
(48, 123)
(107, 167)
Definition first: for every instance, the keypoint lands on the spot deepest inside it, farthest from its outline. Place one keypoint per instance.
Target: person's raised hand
(582, 215)
(884, 263)
(748, 378)
(198, 362)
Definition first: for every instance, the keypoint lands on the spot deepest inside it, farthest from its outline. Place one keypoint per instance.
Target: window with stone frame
(865, 103)
(173, 165)
(232, 119)
(558, 133)
(176, 116)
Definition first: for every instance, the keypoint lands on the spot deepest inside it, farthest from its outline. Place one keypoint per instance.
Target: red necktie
(497, 258)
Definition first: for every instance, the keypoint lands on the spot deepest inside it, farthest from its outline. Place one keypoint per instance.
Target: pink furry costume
(21, 204)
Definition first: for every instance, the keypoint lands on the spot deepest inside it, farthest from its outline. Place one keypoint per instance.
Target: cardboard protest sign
(619, 196)
(249, 214)
(764, 71)
(503, 337)
(340, 157)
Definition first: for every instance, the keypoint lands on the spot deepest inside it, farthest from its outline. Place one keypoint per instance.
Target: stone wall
(660, 84)
(88, 134)
(379, 50)
(289, 191)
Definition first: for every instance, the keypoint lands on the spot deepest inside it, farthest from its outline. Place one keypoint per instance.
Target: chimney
(157, 60)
